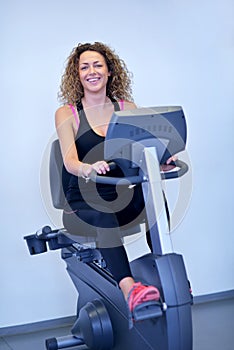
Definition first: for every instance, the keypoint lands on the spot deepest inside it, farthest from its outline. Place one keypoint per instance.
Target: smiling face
(93, 72)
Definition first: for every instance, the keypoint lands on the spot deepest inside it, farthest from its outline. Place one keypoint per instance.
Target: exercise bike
(137, 141)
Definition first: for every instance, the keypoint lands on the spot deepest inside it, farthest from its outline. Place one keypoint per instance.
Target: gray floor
(213, 325)
(213, 329)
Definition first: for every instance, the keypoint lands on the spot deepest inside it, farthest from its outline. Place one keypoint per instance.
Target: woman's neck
(94, 101)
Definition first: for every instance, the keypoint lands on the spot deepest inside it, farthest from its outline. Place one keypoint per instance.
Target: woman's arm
(67, 130)
(65, 126)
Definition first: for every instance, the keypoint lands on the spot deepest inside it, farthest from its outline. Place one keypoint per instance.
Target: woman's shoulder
(66, 113)
(125, 105)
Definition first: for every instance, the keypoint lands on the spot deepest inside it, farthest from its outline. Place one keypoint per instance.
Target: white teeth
(92, 80)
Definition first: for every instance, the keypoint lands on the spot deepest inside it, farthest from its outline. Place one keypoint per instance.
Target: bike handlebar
(133, 180)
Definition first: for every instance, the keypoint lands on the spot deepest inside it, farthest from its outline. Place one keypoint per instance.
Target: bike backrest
(55, 175)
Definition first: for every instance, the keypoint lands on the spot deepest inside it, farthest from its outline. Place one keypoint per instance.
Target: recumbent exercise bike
(138, 141)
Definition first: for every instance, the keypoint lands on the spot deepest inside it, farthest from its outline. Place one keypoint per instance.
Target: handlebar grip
(183, 169)
(109, 180)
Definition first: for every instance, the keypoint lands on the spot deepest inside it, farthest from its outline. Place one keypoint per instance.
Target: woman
(95, 83)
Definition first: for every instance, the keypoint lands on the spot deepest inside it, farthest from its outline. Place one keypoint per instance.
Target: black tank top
(90, 149)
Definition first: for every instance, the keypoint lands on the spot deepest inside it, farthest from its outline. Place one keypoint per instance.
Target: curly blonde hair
(119, 82)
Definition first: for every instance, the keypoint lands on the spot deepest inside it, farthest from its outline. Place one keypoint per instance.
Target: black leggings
(102, 223)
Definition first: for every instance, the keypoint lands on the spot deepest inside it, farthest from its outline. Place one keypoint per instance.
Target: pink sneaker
(140, 294)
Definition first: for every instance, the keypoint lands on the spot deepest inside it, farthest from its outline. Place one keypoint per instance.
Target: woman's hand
(168, 166)
(101, 167)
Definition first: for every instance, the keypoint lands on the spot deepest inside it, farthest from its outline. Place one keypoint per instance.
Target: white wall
(181, 52)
